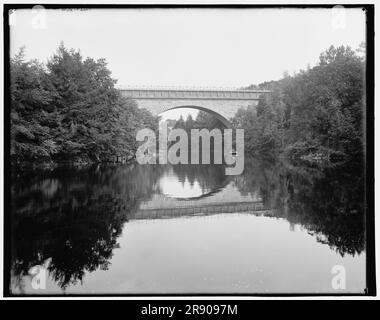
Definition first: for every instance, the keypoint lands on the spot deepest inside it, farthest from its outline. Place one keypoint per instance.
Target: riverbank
(76, 163)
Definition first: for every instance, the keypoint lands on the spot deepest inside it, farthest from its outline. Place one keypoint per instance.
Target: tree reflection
(210, 177)
(327, 200)
(74, 217)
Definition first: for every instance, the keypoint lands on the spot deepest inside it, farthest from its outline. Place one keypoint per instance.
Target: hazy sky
(191, 47)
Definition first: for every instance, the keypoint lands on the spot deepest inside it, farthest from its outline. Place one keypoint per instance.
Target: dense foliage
(70, 110)
(316, 112)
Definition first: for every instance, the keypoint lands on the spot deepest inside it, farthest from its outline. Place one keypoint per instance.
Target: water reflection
(191, 181)
(328, 201)
(83, 221)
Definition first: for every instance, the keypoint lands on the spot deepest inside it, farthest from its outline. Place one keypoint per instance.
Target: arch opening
(223, 120)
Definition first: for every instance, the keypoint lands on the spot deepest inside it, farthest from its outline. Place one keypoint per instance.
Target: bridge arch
(227, 123)
(223, 103)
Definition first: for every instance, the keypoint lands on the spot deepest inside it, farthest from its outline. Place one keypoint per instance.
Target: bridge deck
(192, 93)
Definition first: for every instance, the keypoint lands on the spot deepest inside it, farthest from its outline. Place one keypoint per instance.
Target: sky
(190, 47)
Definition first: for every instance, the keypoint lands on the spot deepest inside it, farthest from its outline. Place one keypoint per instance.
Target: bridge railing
(187, 88)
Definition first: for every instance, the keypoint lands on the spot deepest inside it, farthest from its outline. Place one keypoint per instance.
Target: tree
(31, 114)
(189, 123)
(70, 110)
(88, 102)
(206, 120)
(180, 124)
(317, 111)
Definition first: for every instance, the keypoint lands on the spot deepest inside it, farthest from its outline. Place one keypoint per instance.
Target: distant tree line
(70, 110)
(318, 112)
(203, 120)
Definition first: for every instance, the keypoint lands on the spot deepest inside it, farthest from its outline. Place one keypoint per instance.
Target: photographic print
(188, 150)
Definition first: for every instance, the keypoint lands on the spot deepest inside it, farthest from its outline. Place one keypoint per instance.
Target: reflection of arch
(217, 115)
(214, 174)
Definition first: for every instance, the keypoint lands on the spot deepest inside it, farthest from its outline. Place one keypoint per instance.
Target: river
(279, 227)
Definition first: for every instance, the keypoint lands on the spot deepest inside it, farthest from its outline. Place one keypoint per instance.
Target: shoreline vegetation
(68, 112)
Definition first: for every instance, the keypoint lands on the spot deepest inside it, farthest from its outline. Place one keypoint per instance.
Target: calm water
(277, 228)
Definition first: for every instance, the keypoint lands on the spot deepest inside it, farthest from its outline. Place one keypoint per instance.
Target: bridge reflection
(256, 208)
(225, 199)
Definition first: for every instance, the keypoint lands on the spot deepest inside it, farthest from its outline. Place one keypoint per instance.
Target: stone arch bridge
(222, 103)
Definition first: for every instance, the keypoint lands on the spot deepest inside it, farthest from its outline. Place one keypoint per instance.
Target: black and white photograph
(188, 150)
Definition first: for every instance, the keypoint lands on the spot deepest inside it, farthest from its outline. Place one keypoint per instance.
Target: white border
(278, 2)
